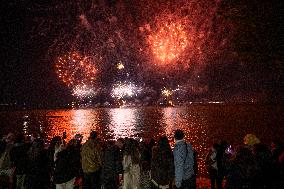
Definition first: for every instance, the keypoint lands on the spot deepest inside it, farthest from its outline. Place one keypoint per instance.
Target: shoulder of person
(189, 146)
(178, 145)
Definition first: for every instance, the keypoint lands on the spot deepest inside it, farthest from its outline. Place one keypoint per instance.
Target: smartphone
(229, 150)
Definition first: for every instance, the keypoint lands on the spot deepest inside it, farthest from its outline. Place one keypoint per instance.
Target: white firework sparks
(83, 91)
(125, 89)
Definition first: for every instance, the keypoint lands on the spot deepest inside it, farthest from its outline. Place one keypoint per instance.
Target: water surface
(203, 124)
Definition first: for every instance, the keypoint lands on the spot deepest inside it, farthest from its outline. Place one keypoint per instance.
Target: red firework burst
(168, 43)
(73, 69)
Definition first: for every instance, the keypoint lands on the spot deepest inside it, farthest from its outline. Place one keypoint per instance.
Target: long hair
(164, 152)
(131, 148)
(53, 143)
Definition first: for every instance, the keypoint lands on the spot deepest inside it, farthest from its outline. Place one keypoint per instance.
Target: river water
(203, 124)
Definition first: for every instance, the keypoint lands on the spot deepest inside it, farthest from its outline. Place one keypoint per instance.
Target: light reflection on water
(128, 122)
(202, 124)
(122, 122)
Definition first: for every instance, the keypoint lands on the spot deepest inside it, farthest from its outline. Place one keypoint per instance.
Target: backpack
(195, 164)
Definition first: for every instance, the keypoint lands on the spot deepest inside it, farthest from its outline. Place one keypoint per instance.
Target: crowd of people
(252, 165)
(129, 164)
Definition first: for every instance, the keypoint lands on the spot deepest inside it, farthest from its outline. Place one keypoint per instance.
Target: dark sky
(27, 74)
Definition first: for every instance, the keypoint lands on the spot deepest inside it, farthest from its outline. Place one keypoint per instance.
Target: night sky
(34, 33)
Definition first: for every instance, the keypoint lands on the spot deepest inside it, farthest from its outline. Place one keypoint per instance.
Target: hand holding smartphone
(229, 150)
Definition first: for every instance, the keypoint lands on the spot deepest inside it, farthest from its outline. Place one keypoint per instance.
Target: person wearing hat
(251, 139)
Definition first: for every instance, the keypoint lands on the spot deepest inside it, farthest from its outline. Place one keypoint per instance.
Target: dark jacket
(243, 171)
(18, 157)
(37, 171)
(112, 163)
(162, 167)
(66, 165)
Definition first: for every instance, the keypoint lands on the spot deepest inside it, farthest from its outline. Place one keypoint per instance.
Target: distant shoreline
(17, 108)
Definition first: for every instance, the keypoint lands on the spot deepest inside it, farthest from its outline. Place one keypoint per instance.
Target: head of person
(277, 144)
(120, 143)
(131, 149)
(72, 143)
(163, 144)
(10, 137)
(251, 139)
(179, 134)
(55, 142)
(78, 138)
(93, 135)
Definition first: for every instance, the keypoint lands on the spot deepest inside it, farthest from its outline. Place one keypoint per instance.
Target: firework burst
(185, 35)
(168, 43)
(175, 40)
(77, 72)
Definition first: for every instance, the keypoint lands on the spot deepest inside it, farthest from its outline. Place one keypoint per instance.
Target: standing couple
(173, 170)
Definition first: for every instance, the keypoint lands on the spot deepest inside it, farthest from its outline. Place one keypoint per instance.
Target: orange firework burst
(168, 43)
(75, 70)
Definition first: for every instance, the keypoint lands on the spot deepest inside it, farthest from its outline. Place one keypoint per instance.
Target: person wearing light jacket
(185, 177)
